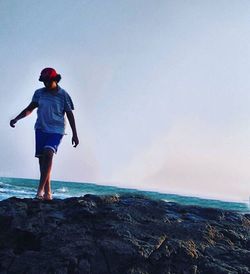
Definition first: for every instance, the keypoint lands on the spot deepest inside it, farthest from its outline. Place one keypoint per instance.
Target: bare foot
(47, 196)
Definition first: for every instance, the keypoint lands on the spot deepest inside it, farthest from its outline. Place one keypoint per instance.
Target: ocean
(26, 188)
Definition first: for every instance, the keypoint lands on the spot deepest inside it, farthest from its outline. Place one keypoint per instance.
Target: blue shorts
(46, 140)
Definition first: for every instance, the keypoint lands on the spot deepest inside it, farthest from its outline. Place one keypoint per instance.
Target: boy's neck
(51, 85)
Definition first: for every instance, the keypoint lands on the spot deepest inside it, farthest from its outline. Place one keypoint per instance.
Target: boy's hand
(13, 122)
(75, 141)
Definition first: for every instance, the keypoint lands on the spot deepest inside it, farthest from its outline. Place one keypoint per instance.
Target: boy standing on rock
(52, 102)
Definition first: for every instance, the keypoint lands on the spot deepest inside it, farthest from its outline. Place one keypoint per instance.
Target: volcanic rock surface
(123, 235)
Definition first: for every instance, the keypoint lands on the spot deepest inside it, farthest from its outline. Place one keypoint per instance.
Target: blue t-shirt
(51, 110)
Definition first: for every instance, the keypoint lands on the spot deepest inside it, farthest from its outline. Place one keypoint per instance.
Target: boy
(52, 102)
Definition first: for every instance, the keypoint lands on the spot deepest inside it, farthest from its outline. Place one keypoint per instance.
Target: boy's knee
(48, 153)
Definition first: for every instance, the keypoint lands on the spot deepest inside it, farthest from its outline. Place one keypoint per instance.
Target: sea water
(26, 188)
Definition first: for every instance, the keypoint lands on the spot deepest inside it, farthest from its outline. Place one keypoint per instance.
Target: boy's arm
(24, 113)
(72, 123)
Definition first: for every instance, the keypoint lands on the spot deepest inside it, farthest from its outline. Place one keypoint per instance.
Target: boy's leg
(40, 192)
(45, 163)
(47, 188)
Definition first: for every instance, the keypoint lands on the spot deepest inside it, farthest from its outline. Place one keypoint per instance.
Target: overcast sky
(161, 91)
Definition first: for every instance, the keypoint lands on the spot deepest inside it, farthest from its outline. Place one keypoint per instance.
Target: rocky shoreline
(125, 235)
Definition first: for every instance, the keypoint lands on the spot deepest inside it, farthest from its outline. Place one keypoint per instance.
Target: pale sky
(161, 91)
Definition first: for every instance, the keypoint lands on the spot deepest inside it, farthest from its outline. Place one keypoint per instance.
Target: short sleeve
(36, 97)
(68, 103)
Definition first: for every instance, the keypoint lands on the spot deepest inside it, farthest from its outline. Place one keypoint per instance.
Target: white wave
(11, 191)
(62, 190)
(168, 201)
(4, 184)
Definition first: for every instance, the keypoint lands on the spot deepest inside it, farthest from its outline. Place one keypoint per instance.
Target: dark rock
(123, 235)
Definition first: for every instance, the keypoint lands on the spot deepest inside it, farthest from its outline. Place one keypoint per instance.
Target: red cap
(49, 74)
